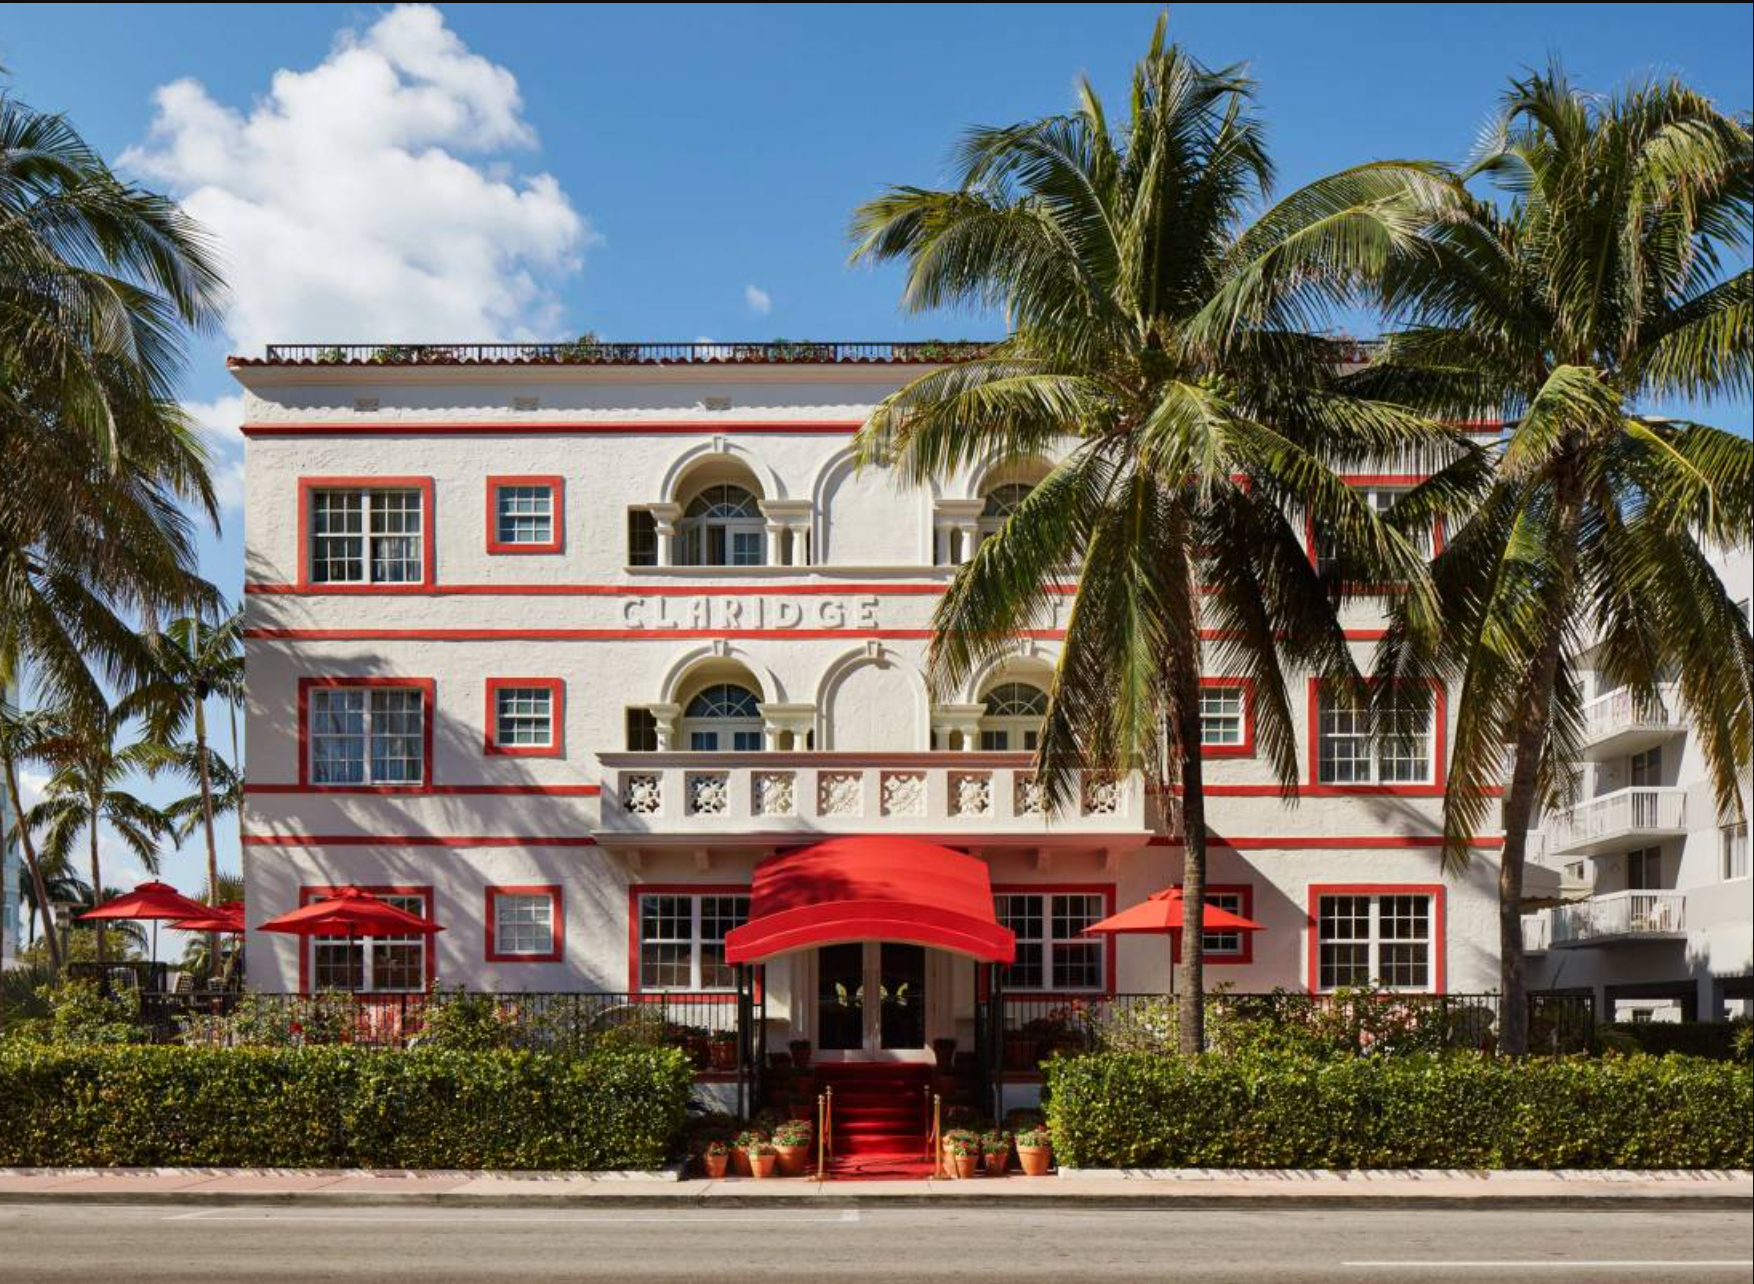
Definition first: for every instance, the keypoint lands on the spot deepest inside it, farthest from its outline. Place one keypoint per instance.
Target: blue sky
(679, 172)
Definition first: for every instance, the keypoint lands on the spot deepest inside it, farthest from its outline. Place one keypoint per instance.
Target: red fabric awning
(871, 888)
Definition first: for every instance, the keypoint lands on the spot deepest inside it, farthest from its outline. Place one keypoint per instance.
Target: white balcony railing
(1616, 915)
(683, 796)
(1625, 815)
(1537, 931)
(1619, 722)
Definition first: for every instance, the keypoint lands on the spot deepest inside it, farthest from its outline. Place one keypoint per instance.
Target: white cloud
(31, 785)
(228, 483)
(344, 204)
(758, 299)
(220, 418)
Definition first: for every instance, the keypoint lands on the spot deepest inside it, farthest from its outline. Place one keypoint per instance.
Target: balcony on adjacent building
(1610, 918)
(681, 799)
(1623, 818)
(1619, 723)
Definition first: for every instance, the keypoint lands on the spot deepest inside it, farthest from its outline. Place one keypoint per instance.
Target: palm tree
(196, 660)
(99, 282)
(1164, 349)
(88, 791)
(22, 740)
(1599, 287)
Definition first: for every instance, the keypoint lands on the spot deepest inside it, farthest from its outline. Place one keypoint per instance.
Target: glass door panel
(901, 993)
(840, 998)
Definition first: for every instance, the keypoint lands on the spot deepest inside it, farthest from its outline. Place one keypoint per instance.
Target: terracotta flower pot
(793, 1160)
(761, 1166)
(740, 1161)
(1036, 1160)
(964, 1166)
(996, 1162)
(714, 1165)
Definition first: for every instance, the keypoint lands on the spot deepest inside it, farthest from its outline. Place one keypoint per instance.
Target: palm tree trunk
(1192, 1024)
(1530, 740)
(40, 884)
(97, 882)
(207, 822)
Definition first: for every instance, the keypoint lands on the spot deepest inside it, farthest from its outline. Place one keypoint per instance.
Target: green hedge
(1715, 1039)
(338, 1107)
(1459, 1111)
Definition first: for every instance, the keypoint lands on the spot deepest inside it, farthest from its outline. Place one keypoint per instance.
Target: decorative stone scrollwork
(904, 793)
(1102, 796)
(642, 794)
(971, 793)
(709, 793)
(776, 793)
(840, 793)
(1032, 796)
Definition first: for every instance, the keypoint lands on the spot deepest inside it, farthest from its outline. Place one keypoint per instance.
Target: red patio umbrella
(228, 916)
(351, 911)
(154, 901)
(1161, 914)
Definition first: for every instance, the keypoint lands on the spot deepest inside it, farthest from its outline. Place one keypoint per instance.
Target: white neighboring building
(557, 653)
(1659, 922)
(11, 863)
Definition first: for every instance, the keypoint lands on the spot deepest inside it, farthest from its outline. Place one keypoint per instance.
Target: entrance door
(870, 999)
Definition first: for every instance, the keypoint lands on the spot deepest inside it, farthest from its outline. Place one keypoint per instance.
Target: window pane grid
(525, 514)
(366, 536)
(376, 964)
(523, 923)
(682, 940)
(1221, 716)
(525, 716)
(1384, 940)
(360, 736)
(1052, 952)
(1344, 750)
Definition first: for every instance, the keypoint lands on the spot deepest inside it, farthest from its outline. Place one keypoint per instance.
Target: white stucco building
(557, 653)
(1659, 915)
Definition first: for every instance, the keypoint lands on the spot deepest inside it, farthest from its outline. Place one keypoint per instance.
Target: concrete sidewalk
(1114, 1188)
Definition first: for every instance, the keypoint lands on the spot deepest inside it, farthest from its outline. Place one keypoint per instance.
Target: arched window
(723, 716)
(1013, 717)
(723, 526)
(1002, 501)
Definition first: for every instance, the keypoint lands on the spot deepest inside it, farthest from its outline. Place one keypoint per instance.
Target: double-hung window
(379, 964)
(1382, 939)
(524, 514)
(682, 940)
(1219, 946)
(524, 924)
(1733, 843)
(1348, 754)
(524, 717)
(1053, 954)
(367, 535)
(367, 735)
(1224, 717)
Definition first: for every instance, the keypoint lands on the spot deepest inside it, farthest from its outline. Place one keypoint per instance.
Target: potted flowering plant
(964, 1153)
(791, 1142)
(996, 1153)
(762, 1157)
(747, 1140)
(715, 1156)
(1035, 1151)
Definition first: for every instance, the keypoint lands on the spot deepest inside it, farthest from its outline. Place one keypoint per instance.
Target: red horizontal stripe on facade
(1329, 842)
(659, 635)
(539, 791)
(417, 840)
(638, 590)
(545, 427)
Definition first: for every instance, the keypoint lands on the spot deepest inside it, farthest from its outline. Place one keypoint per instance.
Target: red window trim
(1104, 890)
(637, 890)
(427, 534)
(1434, 788)
(557, 947)
(556, 748)
(1439, 971)
(1247, 748)
(555, 483)
(309, 892)
(1246, 892)
(429, 689)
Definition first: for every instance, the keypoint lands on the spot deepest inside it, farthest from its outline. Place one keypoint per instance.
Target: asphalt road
(46, 1243)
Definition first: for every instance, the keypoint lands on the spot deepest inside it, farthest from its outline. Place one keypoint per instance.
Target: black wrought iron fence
(1034, 1028)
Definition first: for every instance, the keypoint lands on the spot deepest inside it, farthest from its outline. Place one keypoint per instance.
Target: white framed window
(1733, 846)
(723, 717)
(1013, 716)
(1053, 954)
(373, 965)
(1223, 717)
(523, 717)
(1347, 753)
(1375, 938)
(523, 515)
(1002, 501)
(723, 526)
(367, 735)
(367, 536)
(682, 940)
(525, 924)
(1223, 945)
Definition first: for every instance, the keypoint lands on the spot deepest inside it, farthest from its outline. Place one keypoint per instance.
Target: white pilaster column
(788, 521)
(665, 517)
(664, 717)
(776, 539)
